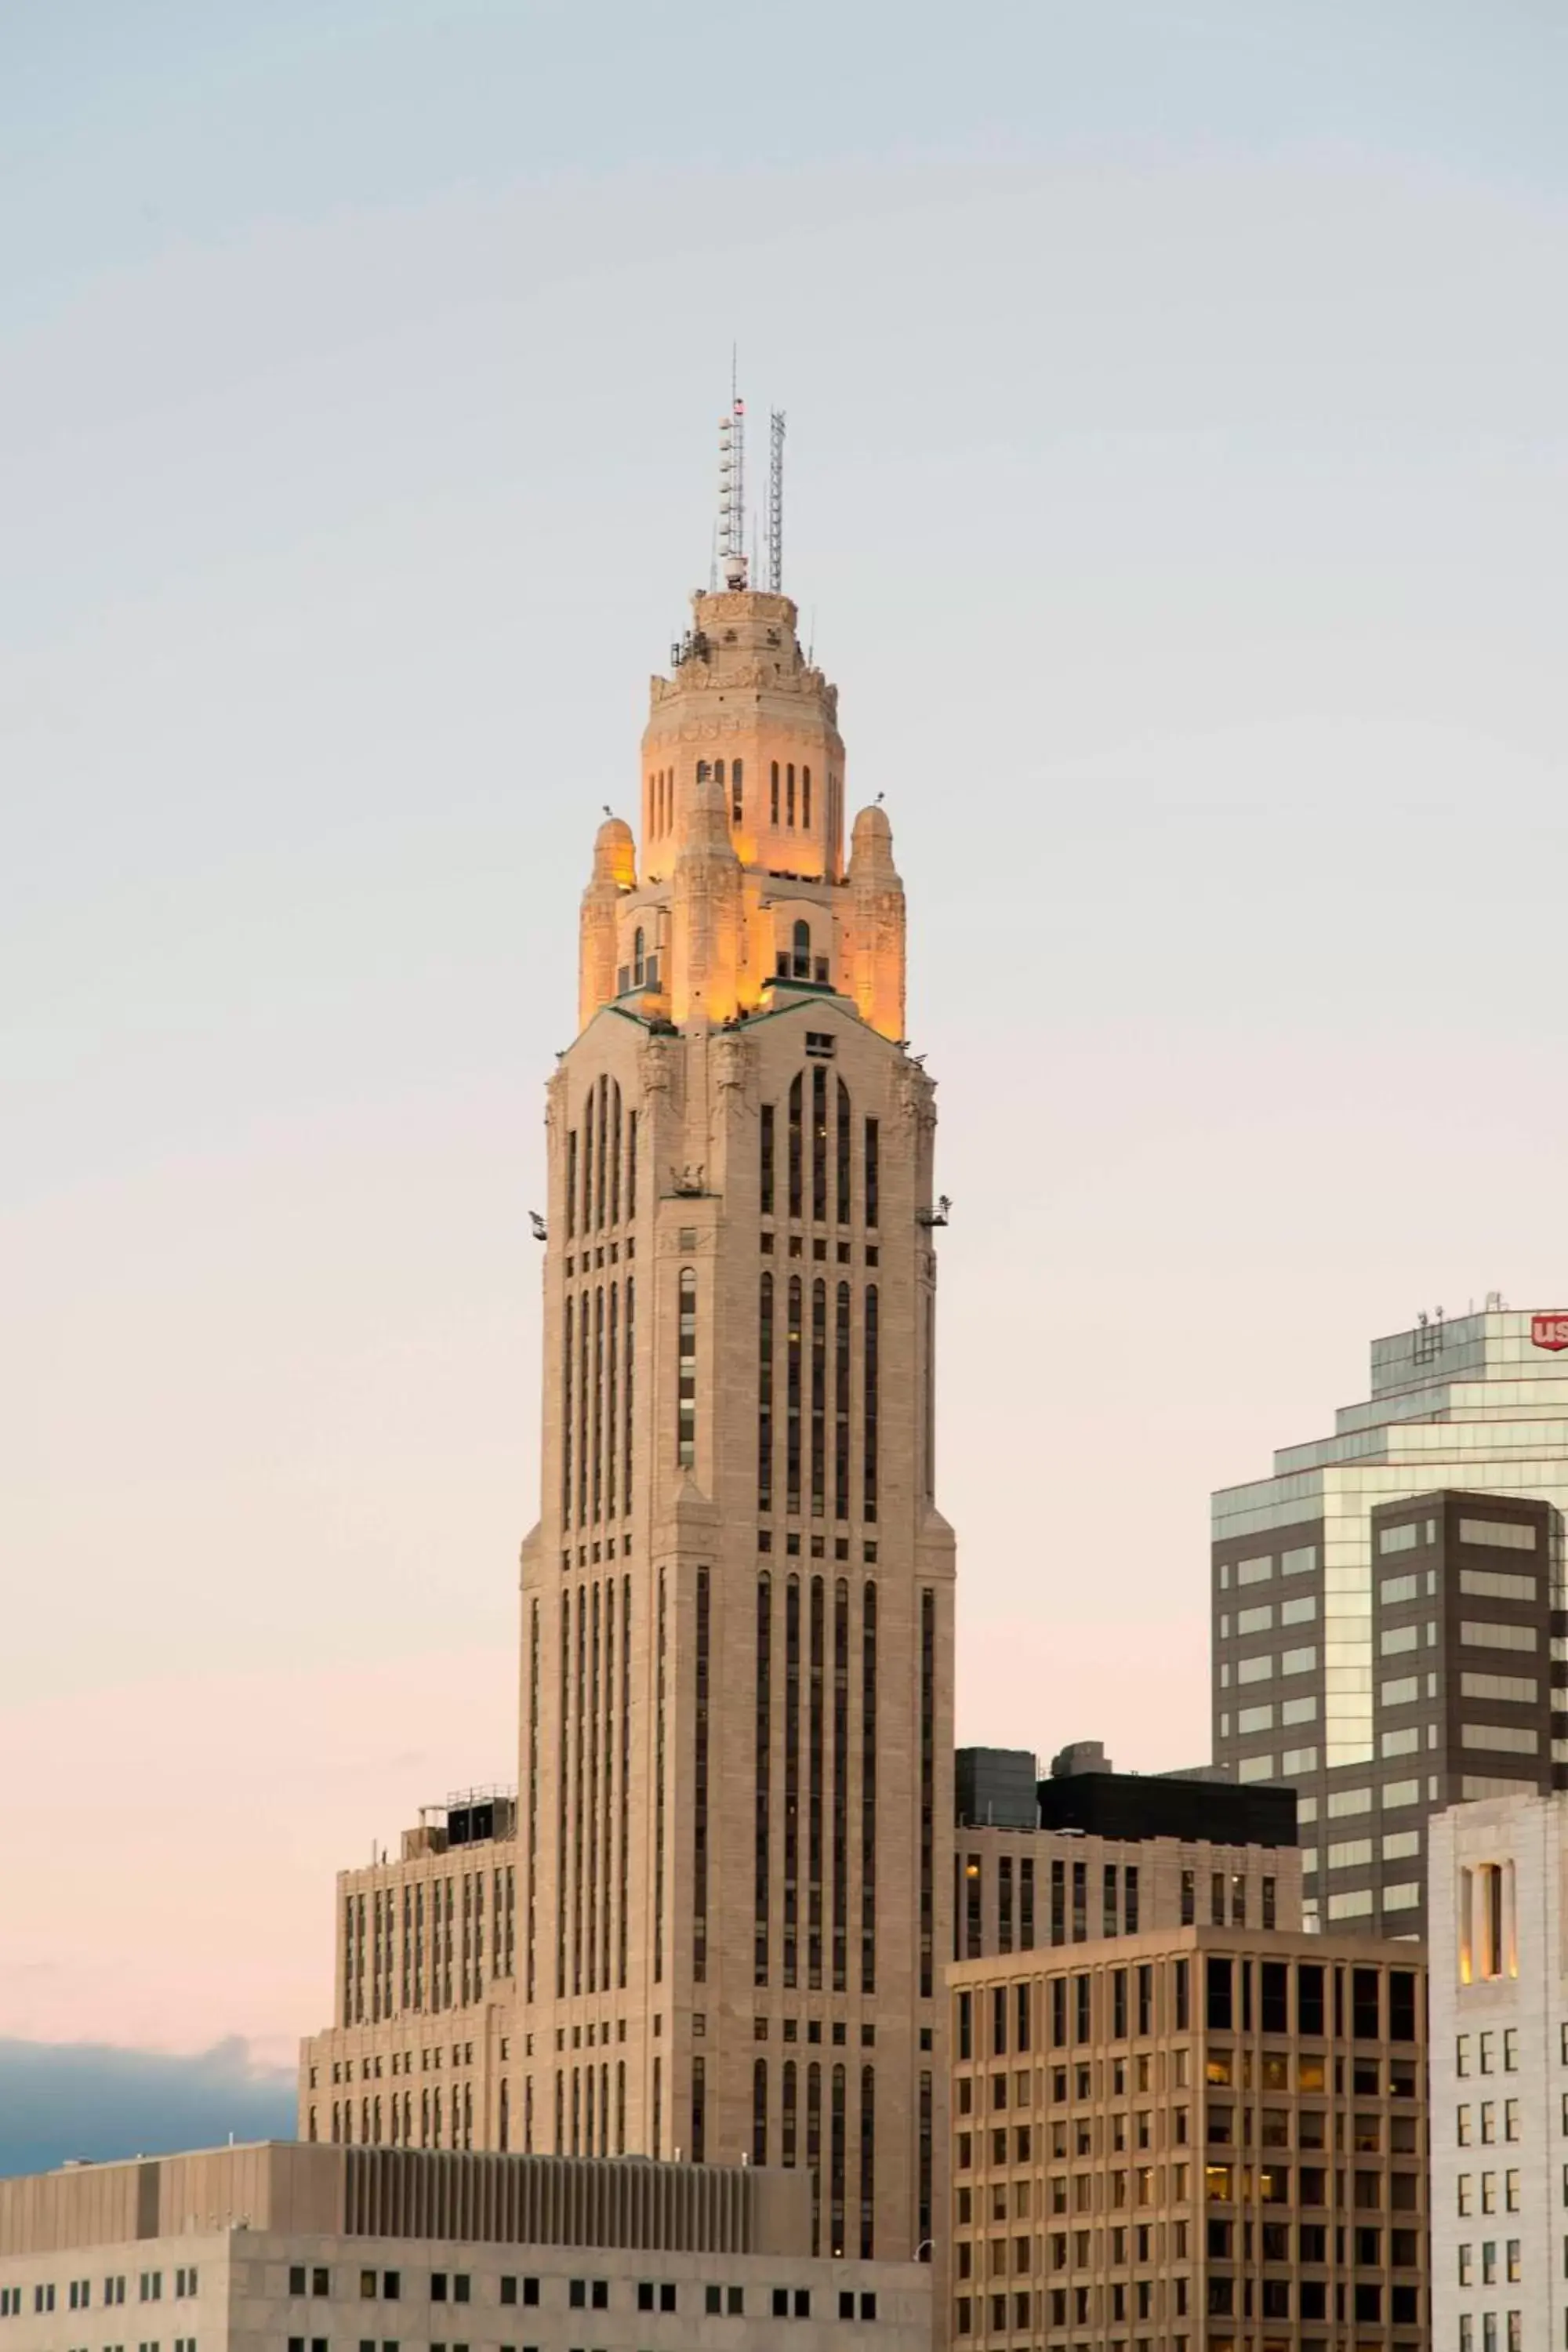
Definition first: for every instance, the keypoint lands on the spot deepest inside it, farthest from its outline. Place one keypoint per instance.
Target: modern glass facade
(1382, 1637)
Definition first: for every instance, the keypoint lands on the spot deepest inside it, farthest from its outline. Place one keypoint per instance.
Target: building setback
(1084, 1855)
(1192, 2139)
(289, 2248)
(1499, 2075)
(1388, 1608)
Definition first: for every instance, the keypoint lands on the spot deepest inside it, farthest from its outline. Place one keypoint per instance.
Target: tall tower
(734, 1832)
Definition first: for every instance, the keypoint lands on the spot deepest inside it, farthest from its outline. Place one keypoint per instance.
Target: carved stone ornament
(733, 1058)
(556, 1104)
(917, 1097)
(657, 1071)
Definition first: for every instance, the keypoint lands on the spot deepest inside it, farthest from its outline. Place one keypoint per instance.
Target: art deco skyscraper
(734, 1839)
(715, 1921)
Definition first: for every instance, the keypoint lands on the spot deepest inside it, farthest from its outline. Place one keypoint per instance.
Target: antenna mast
(732, 491)
(775, 500)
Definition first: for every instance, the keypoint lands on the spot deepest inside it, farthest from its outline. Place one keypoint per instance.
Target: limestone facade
(726, 1903)
(1495, 1895)
(277, 2248)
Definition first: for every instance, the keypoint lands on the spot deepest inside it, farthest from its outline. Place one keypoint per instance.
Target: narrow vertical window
(625, 1823)
(700, 1791)
(870, 1404)
(626, 1400)
(927, 1788)
(819, 1145)
(563, 1808)
(607, 1816)
(789, 793)
(631, 1165)
(585, 1384)
(873, 1171)
(774, 793)
(686, 1401)
(571, 1183)
(840, 1855)
(588, 1161)
(612, 1399)
(818, 1399)
(588, 1844)
(718, 772)
(566, 1418)
(639, 957)
(787, 2115)
(805, 796)
(792, 1399)
(762, 1867)
(923, 2207)
(579, 1711)
(620, 2106)
(765, 1395)
(868, 1791)
(800, 959)
(598, 1408)
(659, 1732)
(599, 1171)
(867, 2163)
(791, 1781)
(766, 1157)
(737, 807)
(836, 2153)
(758, 2111)
(699, 2111)
(842, 1147)
(814, 2149)
(795, 1186)
(814, 1811)
(841, 1403)
(532, 1788)
(657, 2106)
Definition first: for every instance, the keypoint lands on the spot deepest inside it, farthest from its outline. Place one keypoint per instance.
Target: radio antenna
(733, 489)
(775, 500)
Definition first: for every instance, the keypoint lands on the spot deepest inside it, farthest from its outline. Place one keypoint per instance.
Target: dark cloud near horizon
(61, 2099)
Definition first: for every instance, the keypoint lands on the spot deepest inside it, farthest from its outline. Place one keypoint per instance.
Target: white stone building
(1499, 2075)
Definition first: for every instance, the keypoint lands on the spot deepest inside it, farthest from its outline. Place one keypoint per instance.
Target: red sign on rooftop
(1550, 1330)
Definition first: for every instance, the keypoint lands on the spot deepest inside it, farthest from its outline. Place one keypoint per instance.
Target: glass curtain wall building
(1388, 1607)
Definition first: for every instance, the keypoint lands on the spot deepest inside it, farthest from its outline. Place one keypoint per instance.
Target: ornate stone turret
(705, 913)
(876, 943)
(614, 871)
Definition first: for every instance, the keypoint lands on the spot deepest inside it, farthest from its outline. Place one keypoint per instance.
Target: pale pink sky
(1176, 494)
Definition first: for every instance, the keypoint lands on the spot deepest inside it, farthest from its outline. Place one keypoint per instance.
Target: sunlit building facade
(1387, 1607)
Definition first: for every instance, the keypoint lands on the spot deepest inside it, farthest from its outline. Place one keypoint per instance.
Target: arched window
(718, 772)
(802, 957)
(774, 787)
(736, 807)
(805, 796)
(640, 959)
(789, 793)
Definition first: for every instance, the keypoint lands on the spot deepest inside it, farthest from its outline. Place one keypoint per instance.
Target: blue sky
(1176, 490)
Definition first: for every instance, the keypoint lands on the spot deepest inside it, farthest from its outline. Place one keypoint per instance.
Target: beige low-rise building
(283, 2247)
(1198, 2138)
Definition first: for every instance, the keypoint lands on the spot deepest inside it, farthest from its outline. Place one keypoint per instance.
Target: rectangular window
(1505, 1534)
(1399, 1538)
(1254, 1670)
(1491, 1584)
(1254, 1572)
(1513, 1690)
(1479, 1634)
(1514, 1740)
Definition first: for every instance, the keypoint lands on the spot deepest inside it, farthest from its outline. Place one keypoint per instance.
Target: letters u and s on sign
(1550, 1330)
